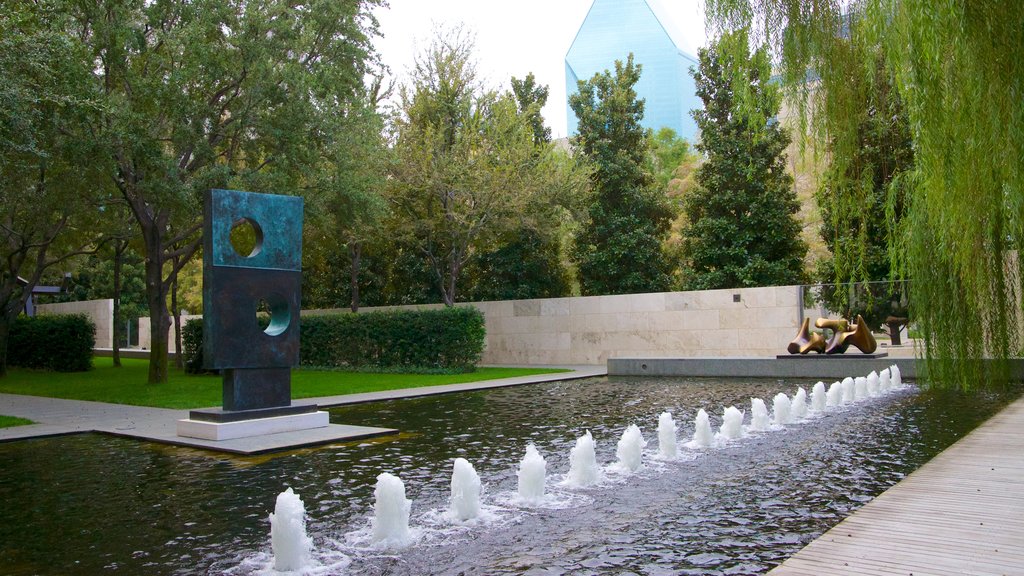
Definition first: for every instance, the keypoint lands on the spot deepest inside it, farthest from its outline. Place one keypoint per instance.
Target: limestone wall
(591, 329)
(101, 312)
(145, 341)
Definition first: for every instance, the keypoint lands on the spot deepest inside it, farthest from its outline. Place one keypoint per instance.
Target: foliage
(450, 339)
(124, 386)
(51, 180)
(526, 266)
(874, 175)
(93, 280)
(669, 152)
(530, 98)
(619, 249)
(466, 170)
(195, 95)
(192, 346)
(62, 343)
(742, 230)
(958, 71)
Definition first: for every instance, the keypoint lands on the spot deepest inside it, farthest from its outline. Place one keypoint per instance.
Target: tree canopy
(619, 248)
(741, 225)
(959, 69)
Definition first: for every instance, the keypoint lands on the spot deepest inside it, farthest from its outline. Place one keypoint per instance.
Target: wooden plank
(960, 513)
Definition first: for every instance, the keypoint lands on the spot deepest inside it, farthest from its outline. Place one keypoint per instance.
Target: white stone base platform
(256, 427)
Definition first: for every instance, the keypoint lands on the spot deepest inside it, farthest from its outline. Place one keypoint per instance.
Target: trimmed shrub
(192, 346)
(446, 340)
(62, 342)
(449, 339)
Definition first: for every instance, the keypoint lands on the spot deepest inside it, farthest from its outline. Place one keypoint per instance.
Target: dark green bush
(192, 346)
(61, 342)
(449, 339)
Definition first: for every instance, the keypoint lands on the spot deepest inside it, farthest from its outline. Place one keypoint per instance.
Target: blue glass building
(613, 29)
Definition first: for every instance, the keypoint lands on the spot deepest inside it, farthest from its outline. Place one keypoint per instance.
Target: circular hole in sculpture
(273, 315)
(246, 237)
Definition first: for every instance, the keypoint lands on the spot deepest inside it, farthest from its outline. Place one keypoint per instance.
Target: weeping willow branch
(959, 69)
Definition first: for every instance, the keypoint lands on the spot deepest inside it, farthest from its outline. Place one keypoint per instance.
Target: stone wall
(101, 312)
(144, 339)
(591, 329)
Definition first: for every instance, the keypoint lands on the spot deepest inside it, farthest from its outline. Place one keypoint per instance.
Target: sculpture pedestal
(218, 424)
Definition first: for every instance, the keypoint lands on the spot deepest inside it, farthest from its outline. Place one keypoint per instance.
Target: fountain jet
(780, 413)
(465, 499)
(702, 434)
(667, 445)
(819, 398)
(630, 448)
(532, 473)
(758, 415)
(288, 539)
(583, 470)
(391, 512)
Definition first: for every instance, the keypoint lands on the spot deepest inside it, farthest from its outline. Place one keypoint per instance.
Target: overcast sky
(514, 37)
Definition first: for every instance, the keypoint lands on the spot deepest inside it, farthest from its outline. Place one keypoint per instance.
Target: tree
(619, 249)
(957, 67)
(531, 98)
(350, 209)
(50, 172)
(465, 166)
(874, 173)
(204, 94)
(742, 230)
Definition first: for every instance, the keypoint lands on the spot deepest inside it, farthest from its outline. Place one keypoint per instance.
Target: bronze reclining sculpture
(843, 335)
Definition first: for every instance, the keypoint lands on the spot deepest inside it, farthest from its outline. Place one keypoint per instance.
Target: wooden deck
(961, 513)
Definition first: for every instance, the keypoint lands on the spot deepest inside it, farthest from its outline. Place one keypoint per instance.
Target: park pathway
(961, 513)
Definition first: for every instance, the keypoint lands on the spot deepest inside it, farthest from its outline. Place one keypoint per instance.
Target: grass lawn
(11, 421)
(127, 385)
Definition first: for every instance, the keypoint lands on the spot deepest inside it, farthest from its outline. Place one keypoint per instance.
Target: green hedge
(446, 340)
(61, 342)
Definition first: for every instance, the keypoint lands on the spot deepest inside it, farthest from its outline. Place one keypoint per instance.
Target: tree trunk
(159, 319)
(176, 314)
(119, 247)
(5, 332)
(355, 252)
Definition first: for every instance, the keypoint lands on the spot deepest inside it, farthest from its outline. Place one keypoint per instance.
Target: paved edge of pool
(57, 417)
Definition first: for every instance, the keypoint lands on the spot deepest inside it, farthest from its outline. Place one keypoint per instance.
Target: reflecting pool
(90, 504)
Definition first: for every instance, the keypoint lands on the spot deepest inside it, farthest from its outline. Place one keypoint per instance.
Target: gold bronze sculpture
(843, 335)
(806, 341)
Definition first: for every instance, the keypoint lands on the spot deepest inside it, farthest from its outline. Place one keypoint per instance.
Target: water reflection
(88, 504)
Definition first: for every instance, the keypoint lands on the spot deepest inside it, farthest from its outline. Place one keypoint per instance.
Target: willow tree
(959, 69)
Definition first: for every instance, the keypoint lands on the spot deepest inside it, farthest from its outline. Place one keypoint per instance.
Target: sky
(513, 38)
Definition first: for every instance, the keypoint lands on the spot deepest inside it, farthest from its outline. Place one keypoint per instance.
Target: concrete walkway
(55, 416)
(960, 513)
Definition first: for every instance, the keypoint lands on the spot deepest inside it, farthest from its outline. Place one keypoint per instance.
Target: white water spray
(465, 498)
(780, 410)
(873, 384)
(849, 390)
(758, 415)
(667, 446)
(630, 448)
(897, 378)
(860, 388)
(391, 512)
(702, 434)
(583, 470)
(798, 407)
(819, 398)
(732, 424)
(884, 381)
(835, 395)
(532, 473)
(288, 539)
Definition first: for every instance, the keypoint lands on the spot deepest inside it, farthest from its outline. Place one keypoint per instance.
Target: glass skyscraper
(613, 29)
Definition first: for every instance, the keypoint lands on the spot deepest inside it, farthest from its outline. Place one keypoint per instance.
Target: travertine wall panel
(591, 329)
